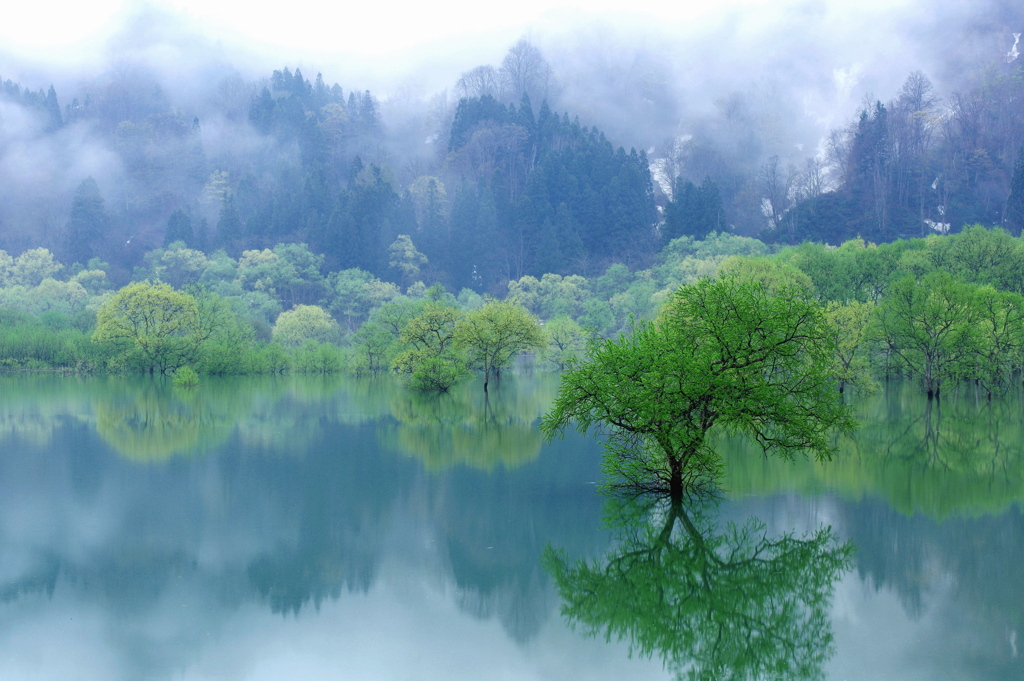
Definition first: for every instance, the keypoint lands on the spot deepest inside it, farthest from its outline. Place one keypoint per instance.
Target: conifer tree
(1014, 216)
(88, 223)
(179, 228)
(229, 225)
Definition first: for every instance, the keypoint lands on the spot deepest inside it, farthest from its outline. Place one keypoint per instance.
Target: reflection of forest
(295, 498)
(148, 423)
(712, 602)
(148, 420)
(963, 571)
(958, 455)
(300, 504)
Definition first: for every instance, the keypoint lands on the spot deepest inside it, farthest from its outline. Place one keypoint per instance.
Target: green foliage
(356, 293)
(712, 603)
(231, 348)
(566, 342)
(998, 338)
(272, 359)
(929, 327)
(154, 326)
(429, 372)
(851, 359)
(432, 362)
(551, 295)
(52, 341)
(775, 276)
(725, 355)
(375, 349)
(179, 266)
(304, 323)
(406, 259)
(319, 358)
(492, 335)
(32, 267)
(186, 377)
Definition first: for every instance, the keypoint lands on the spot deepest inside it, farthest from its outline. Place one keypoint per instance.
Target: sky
(389, 46)
(368, 28)
(818, 61)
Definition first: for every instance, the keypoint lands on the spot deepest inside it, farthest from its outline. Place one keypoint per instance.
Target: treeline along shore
(947, 311)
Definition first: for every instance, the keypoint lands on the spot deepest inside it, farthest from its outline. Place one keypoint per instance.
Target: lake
(337, 528)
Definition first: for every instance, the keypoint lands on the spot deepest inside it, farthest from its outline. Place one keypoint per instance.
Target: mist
(736, 87)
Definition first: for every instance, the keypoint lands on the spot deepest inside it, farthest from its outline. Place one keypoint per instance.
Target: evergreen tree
(53, 109)
(202, 236)
(88, 223)
(261, 112)
(1014, 216)
(693, 211)
(229, 226)
(179, 228)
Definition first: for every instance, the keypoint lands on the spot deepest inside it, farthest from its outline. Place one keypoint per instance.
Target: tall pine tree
(88, 224)
(1013, 219)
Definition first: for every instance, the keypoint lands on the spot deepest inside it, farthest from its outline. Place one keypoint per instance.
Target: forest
(288, 224)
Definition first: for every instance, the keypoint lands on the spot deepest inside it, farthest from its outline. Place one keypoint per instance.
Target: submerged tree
(492, 335)
(930, 326)
(432, 361)
(157, 327)
(725, 355)
(712, 603)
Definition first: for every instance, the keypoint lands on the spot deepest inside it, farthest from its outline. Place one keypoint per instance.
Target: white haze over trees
(761, 84)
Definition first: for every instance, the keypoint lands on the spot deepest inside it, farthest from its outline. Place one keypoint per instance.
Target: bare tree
(775, 185)
(911, 121)
(524, 71)
(837, 152)
(479, 82)
(811, 182)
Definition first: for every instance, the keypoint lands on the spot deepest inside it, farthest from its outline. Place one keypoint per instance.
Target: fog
(752, 80)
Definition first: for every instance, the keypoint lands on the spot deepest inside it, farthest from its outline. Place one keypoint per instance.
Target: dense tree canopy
(723, 355)
(154, 324)
(492, 335)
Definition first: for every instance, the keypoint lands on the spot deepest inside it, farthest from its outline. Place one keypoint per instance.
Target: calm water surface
(307, 528)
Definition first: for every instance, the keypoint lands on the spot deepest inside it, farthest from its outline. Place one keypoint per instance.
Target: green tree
(493, 334)
(51, 295)
(356, 293)
(404, 257)
(33, 266)
(565, 341)
(776, 276)
(1013, 217)
(154, 324)
(724, 355)
(999, 337)
(179, 228)
(181, 266)
(88, 223)
(433, 361)
(928, 325)
(852, 361)
(304, 323)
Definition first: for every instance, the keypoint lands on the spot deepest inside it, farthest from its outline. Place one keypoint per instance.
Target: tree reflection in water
(468, 427)
(712, 602)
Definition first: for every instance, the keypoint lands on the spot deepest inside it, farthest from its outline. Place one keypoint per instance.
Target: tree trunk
(675, 484)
